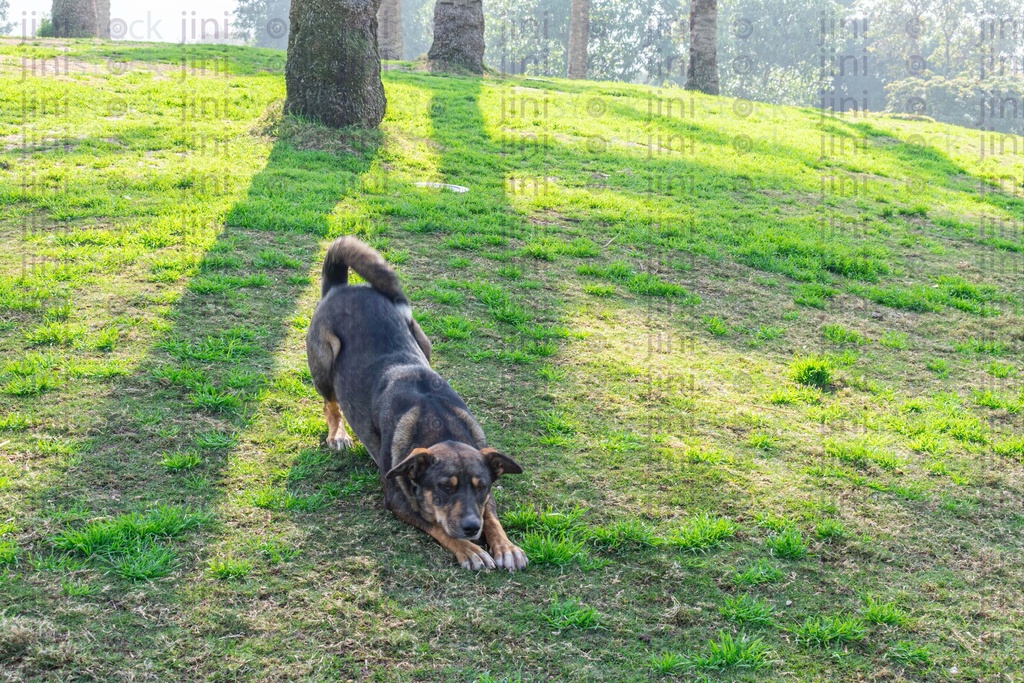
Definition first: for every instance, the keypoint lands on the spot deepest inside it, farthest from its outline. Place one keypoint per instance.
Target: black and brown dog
(371, 362)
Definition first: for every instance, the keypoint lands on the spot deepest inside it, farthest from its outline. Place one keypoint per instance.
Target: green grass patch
(824, 631)
(624, 534)
(227, 568)
(55, 334)
(837, 334)
(231, 346)
(715, 325)
(729, 652)
(744, 609)
(1000, 370)
(571, 613)
(214, 400)
(556, 550)
(863, 452)
(813, 295)
(788, 544)
(975, 346)
(909, 653)
(883, 613)
(599, 290)
(831, 530)
(181, 460)
(757, 574)
(134, 546)
(279, 499)
(812, 371)
(895, 340)
(701, 533)
(940, 366)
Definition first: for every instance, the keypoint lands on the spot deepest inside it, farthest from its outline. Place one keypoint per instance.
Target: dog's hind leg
(337, 437)
(322, 350)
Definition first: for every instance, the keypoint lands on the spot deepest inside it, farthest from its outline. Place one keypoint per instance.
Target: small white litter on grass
(445, 186)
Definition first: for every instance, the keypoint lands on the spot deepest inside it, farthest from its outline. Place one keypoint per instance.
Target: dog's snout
(471, 527)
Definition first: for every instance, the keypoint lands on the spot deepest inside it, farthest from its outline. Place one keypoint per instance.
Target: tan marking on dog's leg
(506, 554)
(337, 438)
(469, 554)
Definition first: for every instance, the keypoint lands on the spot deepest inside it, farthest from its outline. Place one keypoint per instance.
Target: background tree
(81, 18)
(5, 27)
(458, 35)
(263, 23)
(943, 58)
(527, 36)
(770, 50)
(333, 70)
(579, 36)
(637, 41)
(389, 30)
(702, 71)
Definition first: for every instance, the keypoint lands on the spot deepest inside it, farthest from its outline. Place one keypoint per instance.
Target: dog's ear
(413, 465)
(500, 463)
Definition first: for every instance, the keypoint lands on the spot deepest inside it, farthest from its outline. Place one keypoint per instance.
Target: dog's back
(369, 326)
(360, 335)
(368, 321)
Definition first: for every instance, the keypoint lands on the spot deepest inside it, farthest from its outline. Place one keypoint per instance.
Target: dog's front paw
(342, 442)
(472, 556)
(509, 556)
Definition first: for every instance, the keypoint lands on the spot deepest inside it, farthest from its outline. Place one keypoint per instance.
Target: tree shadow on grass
(211, 374)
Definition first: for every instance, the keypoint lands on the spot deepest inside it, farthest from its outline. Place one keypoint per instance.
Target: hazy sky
(155, 20)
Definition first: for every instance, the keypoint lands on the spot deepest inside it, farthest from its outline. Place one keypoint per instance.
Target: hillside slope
(762, 368)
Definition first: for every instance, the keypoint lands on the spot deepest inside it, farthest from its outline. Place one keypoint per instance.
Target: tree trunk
(389, 30)
(103, 19)
(458, 36)
(81, 18)
(333, 70)
(702, 72)
(579, 35)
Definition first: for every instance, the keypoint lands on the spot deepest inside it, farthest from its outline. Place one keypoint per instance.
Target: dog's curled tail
(348, 252)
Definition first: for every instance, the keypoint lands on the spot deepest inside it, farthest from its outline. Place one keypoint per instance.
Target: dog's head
(451, 482)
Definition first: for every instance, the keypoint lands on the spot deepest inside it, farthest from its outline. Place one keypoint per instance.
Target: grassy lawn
(762, 368)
